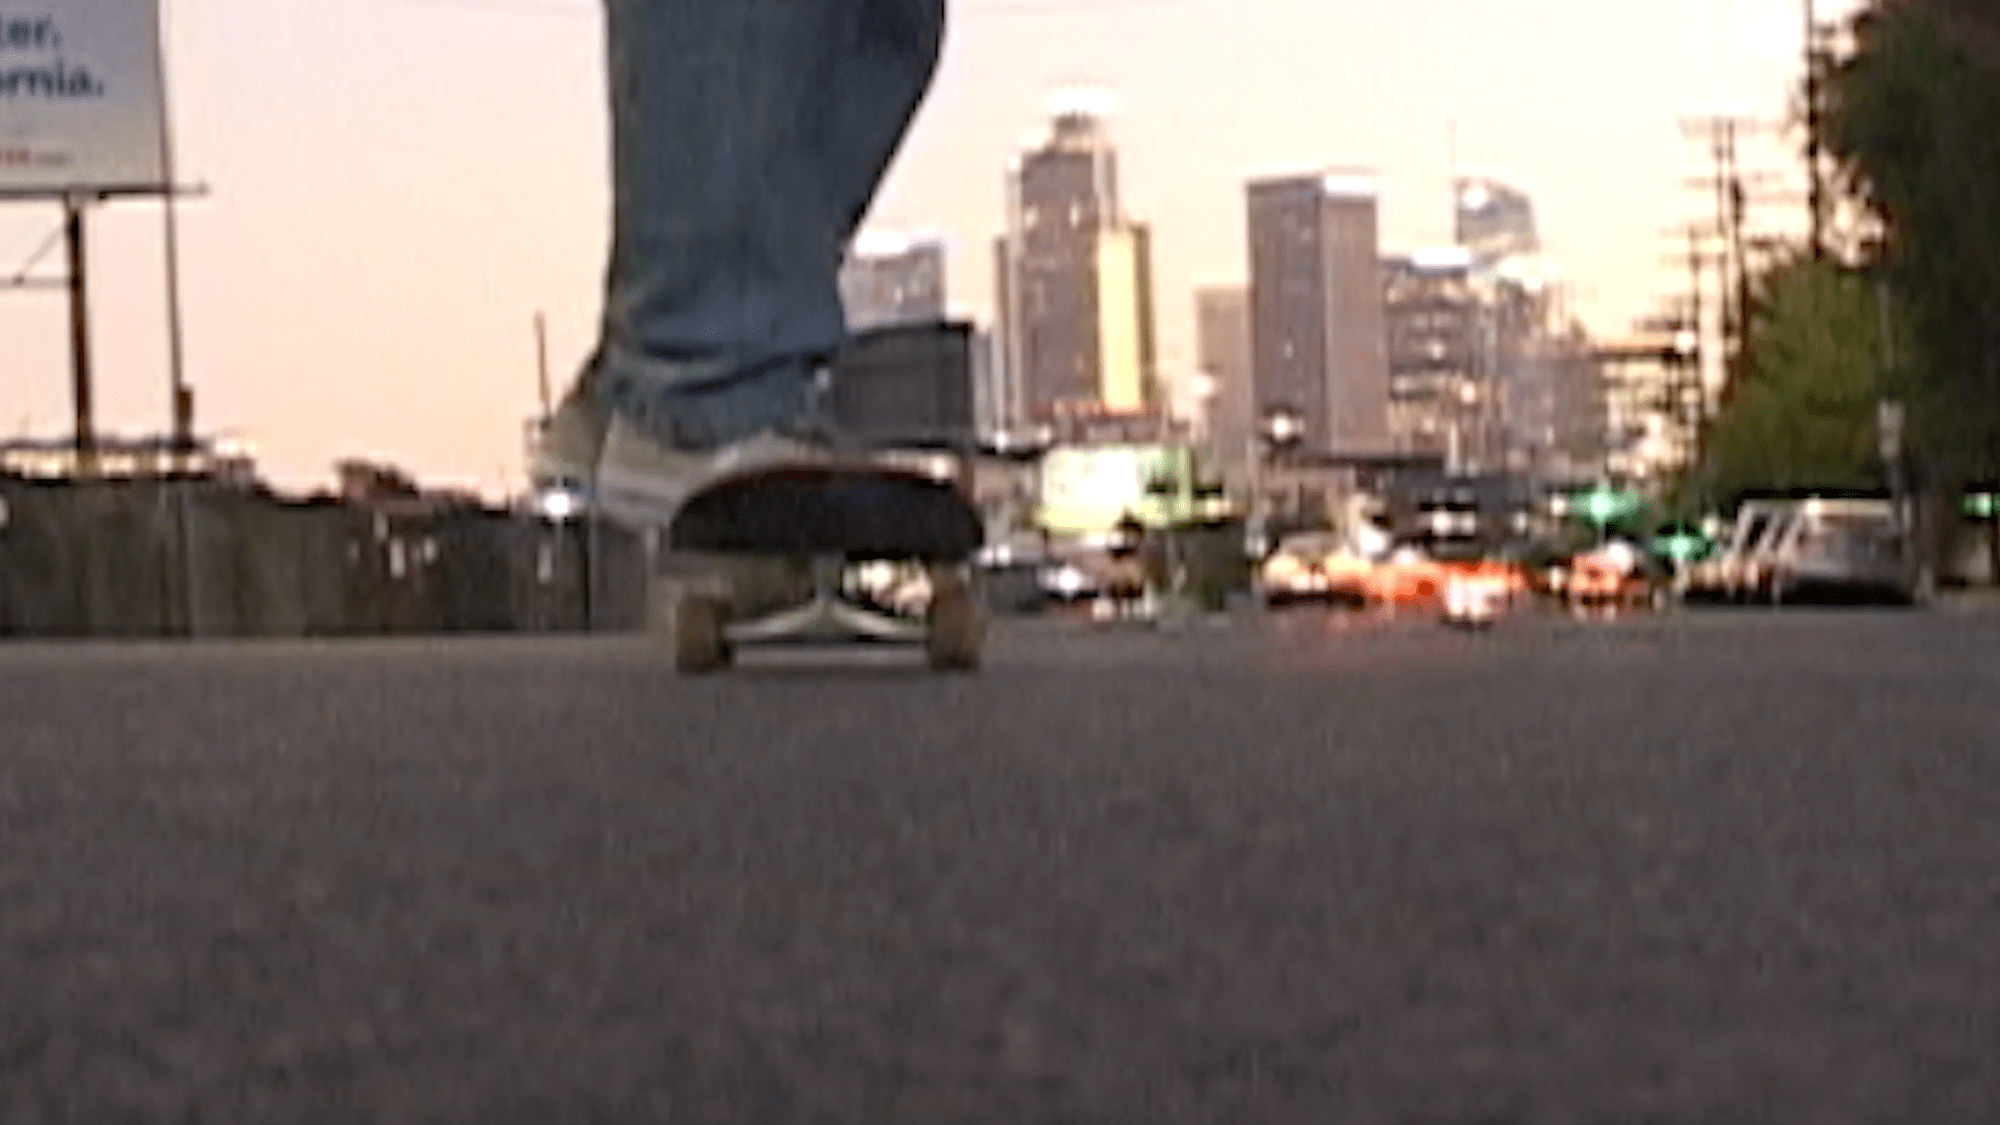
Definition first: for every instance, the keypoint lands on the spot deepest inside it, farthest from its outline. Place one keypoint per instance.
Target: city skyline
(370, 255)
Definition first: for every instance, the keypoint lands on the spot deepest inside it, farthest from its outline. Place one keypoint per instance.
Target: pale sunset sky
(396, 187)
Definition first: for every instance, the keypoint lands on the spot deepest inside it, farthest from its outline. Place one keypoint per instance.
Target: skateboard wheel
(699, 646)
(957, 629)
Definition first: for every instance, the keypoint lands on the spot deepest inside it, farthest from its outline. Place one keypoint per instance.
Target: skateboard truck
(828, 618)
(951, 632)
(830, 516)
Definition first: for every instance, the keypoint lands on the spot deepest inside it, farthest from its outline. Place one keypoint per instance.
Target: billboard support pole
(180, 395)
(79, 333)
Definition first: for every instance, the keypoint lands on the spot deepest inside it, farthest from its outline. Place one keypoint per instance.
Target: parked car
(1736, 572)
(1840, 549)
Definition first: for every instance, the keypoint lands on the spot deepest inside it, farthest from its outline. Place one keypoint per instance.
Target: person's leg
(748, 139)
(892, 57)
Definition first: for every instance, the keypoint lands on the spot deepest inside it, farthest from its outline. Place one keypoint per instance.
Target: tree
(1805, 415)
(1973, 24)
(1914, 118)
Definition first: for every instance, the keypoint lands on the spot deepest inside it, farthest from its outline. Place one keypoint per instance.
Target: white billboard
(80, 96)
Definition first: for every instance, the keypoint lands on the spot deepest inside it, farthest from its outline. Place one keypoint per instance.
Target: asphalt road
(1725, 868)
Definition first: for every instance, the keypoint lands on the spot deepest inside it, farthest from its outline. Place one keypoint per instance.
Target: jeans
(748, 139)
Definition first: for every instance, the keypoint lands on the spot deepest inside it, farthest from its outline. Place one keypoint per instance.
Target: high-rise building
(1318, 338)
(1553, 417)
(1443, 398)
(889, 280)
(1222, 346)
(1560, 417)
(1075, 279)
(1554, 385)
(990, 400)
(1494, 221)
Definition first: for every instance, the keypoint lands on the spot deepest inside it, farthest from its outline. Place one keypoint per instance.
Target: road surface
(1730, 867)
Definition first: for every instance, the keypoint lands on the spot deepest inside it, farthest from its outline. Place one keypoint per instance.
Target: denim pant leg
(892, 55)
(747, 139)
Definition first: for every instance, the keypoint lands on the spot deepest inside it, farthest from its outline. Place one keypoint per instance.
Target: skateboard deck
(851, 511)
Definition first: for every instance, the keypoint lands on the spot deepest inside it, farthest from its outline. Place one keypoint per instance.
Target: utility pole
(1731, 216)
(1738, 220)
(180, 396)
(1732, 186)
(1692, 404)
(542, 365)
(79, 334)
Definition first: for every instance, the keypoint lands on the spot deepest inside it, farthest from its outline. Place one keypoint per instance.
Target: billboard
(1088, 490)
(80, 96)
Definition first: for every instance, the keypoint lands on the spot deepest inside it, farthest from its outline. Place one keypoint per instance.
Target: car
(1109, 583)
(1736, 572)
(1840, 549)
(1066, 581)
(1314, 567)
(1408, 577)
(1476, 595)
(1613, 577)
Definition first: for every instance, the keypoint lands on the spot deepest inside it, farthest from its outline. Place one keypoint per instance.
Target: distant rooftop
(115, 458)
(894, 244)
(1347, 183)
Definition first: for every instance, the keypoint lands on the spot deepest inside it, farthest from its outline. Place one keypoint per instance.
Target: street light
(1284, 427)
(1284, 430)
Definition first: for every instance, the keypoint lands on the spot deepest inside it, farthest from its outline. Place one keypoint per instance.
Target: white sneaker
(643, 484)
(568, 446)
(602, 459)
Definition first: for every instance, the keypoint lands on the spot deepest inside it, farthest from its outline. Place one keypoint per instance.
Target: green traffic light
(1605, 505)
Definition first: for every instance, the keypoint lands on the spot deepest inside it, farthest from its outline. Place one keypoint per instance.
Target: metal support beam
(79, 333)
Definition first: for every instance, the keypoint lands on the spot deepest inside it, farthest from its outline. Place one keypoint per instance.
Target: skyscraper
(1443, 395)
(1540, 366)
(1494, 221)
(891, 280)
(1222, 346)
(1075, 278)
(1318, 338)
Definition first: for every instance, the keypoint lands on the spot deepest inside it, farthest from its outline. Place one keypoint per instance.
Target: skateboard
(825, 519)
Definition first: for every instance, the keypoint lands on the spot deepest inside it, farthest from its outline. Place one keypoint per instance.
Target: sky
(394, 189)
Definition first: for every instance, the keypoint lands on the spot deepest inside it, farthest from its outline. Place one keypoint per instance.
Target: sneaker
(569, 444)
(643, 484)
(607, 450)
